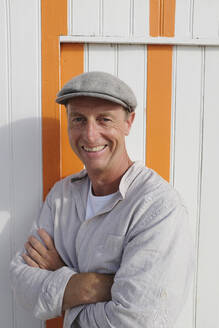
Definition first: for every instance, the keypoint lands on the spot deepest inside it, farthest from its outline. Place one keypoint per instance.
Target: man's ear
(129, 122)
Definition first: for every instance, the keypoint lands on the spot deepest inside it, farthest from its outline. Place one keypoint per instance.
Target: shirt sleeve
(38, 290)
(153, 280)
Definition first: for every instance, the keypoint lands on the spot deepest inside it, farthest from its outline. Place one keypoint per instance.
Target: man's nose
(91, 131)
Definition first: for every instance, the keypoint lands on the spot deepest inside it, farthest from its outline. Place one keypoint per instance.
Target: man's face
(97, 130)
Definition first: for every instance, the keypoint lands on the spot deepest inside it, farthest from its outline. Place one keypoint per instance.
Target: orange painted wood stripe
(158, 125)
(162, 17)
(159, 88)
(169, 9)
(53, 24)
(72, 64)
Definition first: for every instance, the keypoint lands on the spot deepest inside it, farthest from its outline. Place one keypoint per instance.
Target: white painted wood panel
(20, 143)
(117, 17)
(185, 169)
(206, 19)
(183, 18)
(86, 17)
(141, 18)
(132, 63)
(6, 299)
(187, 93)
(109, 18)
(208, 269)
(101, 58)
(26, 114)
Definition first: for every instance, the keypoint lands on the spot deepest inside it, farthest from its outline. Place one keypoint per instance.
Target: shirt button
(163, 293)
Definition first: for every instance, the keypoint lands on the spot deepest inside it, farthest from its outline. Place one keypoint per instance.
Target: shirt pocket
(110, 251)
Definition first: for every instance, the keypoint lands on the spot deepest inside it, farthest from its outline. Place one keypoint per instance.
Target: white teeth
(93, 149)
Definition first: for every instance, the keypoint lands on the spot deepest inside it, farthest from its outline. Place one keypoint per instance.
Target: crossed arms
(82, 288)
(148, 289)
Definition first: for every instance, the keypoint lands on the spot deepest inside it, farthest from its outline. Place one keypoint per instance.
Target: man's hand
(40, 256)
(87, 288)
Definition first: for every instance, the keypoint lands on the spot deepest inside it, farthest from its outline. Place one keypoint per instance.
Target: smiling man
(112, 246)
(97, 130)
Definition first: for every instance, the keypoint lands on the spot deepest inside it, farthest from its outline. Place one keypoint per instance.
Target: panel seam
(11, 145)
(145, 104)
(199, 186)
(173, 116)
(69, 15)
(191, 18)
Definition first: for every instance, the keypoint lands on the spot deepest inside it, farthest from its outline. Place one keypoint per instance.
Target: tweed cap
(99, 85)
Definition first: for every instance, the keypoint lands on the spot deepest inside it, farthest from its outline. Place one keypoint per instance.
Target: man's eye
(105, 119)
(76, 120)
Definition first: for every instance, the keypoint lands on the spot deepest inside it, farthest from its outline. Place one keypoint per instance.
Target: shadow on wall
(20, 200)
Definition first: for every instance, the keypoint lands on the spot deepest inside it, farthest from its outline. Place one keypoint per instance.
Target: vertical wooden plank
(162, 18)
(25, 128)
(53, 24)
(206, 22)
(20, 142)
(72, 64)
(6, 299)
(86, 17)
(159, 88)
(101, 58)
(186, 165)
(169, 7)
(141, 18)
(183, 18)
(26, 114)
(188, 85)
(208, 260)
(155, 13)
(134, 58)
(116, 17)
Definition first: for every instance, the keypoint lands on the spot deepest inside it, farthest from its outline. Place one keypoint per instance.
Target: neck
(105, 183)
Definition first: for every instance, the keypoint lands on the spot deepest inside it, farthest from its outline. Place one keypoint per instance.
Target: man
(112, 246)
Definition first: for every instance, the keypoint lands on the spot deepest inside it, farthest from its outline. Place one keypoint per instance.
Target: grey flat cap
(99, 85)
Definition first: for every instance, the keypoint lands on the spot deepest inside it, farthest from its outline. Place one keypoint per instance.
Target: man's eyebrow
(106, 113)
(71, 113)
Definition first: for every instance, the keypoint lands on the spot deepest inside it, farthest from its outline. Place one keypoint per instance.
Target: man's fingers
(33, 254)
(29, 261)
(46, 238)
(37, 245)
(42, 254)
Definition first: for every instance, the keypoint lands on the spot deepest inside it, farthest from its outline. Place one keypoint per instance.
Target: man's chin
(95, 168)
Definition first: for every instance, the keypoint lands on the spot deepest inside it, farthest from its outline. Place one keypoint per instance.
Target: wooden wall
(20, 142)
(176, 129)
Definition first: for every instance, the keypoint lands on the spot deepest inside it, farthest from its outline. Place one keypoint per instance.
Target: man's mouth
(93, 149)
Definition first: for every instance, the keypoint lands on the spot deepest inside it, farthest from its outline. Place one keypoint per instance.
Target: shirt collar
(126, 181)
(129, 177)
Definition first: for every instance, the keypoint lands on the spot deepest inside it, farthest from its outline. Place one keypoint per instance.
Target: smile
(93, 149)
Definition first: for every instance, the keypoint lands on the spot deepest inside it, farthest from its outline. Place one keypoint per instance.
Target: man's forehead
(83, 103)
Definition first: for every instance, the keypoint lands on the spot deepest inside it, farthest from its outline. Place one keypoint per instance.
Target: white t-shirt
(96, 203)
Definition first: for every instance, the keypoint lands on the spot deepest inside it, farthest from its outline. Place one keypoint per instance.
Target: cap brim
(64, 99)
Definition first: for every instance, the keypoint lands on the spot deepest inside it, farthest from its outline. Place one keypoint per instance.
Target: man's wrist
(87, 288)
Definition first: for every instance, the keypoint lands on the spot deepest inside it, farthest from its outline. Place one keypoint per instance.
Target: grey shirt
(142, 236)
